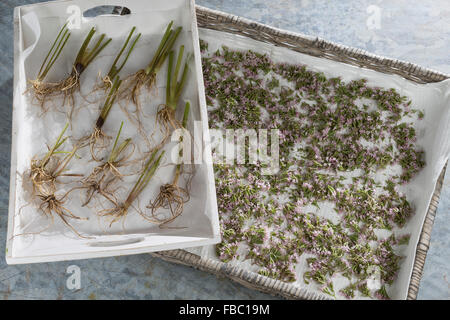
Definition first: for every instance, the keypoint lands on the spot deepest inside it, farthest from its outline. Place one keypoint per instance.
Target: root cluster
(51, 206)
(43, 175)
(43, 91)
(165, 117)
(134, 84)
(116, 213)
(102, 179)
(98, 141)
(100, 182)
(170, 197)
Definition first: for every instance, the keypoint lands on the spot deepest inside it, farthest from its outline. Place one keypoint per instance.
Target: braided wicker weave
(220, 21)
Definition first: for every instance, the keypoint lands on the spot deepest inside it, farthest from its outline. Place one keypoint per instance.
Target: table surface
(412, 30)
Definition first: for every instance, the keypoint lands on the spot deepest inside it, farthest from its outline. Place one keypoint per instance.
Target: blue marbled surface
(413, 30)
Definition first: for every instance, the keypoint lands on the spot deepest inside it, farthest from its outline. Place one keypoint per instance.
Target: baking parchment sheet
(432, 136)
(37, 129)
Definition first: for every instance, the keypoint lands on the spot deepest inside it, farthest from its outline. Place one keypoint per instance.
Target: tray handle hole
(115, 243)
(106, 10)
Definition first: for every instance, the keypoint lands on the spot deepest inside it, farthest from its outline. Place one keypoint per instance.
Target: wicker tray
(216, 20)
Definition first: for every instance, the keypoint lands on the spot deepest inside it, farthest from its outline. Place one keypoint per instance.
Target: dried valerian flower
(335, 137)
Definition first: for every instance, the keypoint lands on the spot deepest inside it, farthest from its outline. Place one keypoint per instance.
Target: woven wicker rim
(216, 20)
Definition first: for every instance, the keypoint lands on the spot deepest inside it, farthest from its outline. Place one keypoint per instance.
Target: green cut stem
(117, 149)
(86, 55)
(187, 108)
(173, 86)
(66, 161)
(149, 170)
(184, 124)
(114, 71)
(166, 44)
(59, 142)
(54, 52)
(110, 99)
